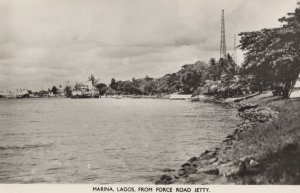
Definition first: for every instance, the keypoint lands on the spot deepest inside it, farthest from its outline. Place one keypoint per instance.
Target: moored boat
(177, 96)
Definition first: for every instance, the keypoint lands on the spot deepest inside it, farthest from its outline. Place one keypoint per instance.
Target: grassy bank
(263, 149)
(275, 144)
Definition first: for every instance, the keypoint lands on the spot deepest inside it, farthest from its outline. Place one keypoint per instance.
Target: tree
(42, 93)
(214, 71)
(273, 55)
(147, 78)
(190, 81)
(113, 84)
(102, 88)
(93, 80)
(192, 76)
(150, 87)
(68, 91)
(54, 90)
(77, 86)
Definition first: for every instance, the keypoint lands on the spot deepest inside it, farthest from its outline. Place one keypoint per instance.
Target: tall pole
(235, 50)
(223, 41)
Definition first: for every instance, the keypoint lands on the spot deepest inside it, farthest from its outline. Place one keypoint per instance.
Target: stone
(185, 165)
(192, 159)
(246, 106)
(209, 170)
(253, 163)
(201, 162)
(212, 160)
(181, 172)
(230, 136)
(208, 154)
(228, 170)
(197, 177)
(168, 170)
(186, 171)
(246, 158)
(165, 179)
(242, 168)
(228, 164)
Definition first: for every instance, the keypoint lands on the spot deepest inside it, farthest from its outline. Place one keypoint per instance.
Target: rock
(195, 177)
(253, 163)
(222, 160)
(185, 165)
(228, 142)
(242, 167)
(204, 153)
(228, 164)
(181, 172)
(165, 179)
(168, 170)
(228, 147)
(191, 170)
(199, 178)
(209, 170)
(208, 154)
(228, 169)
(201, 162)
(212, 160)
(245, 106)
(193, 159)
(216, 163)
(230, 136)
(260, 114)
(187, 170)
(246, 158)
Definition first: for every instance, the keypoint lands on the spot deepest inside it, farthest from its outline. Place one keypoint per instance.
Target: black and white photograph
(152, 92)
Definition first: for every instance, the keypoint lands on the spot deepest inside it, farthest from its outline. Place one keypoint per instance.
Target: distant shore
(165, 96)
(258, 151)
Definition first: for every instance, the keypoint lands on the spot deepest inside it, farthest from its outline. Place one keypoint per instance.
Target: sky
(49, 42)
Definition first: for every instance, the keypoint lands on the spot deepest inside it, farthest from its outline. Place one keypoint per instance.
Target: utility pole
(235, 50)
(223, 41)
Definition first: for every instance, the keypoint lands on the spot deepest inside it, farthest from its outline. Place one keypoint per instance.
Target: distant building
(296, 90)
(84, 90)
(2, 94)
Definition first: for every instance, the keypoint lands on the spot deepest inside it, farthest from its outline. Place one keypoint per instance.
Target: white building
(86, 90)
(296, 90)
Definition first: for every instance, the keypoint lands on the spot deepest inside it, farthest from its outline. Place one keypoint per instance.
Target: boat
(114, 96)
(177, 96)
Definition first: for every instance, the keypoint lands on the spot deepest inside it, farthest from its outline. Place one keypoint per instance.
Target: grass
(276, 145)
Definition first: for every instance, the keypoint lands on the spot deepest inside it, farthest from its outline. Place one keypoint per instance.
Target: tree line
(272, 62)
(272, 55)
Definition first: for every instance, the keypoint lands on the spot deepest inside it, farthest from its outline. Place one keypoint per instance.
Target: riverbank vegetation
(264, 148)
(272, 62)
(275, 145)
(272, 58)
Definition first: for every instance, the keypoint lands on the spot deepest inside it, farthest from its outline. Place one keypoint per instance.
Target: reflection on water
(104, 140)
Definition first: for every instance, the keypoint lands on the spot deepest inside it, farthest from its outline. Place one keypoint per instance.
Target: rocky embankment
(217, 165)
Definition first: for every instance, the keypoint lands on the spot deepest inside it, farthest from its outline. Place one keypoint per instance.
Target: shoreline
(220, 164)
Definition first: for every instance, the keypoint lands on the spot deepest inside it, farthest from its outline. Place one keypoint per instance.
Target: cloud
(49, 42)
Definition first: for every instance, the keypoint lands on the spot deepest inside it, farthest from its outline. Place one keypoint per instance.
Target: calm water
(104, 140)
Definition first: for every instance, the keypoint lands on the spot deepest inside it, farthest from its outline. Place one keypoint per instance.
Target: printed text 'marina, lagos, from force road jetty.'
(149, 189)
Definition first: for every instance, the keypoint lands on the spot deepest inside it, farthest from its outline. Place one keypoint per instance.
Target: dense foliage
(272, 61)
(215, 78)
(273, 55)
